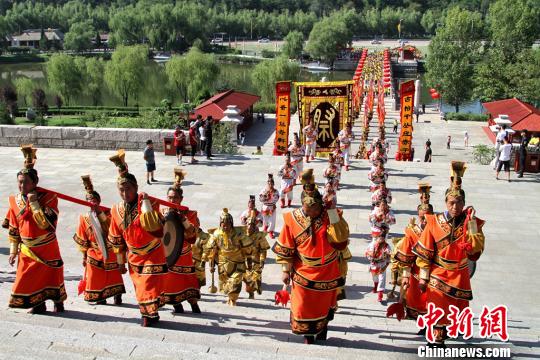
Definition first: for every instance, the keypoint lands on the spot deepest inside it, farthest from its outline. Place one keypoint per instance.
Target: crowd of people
(312, 247)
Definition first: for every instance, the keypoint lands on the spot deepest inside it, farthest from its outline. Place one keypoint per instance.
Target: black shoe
(520, 176)
(322, 335)
(422, 332)
(101, 302)
(148, 182)
(195, 308)
(118, 299)
(154, 180)
(208, 158)
(309, 339)
(39, 309)
(178, 309)
(148, 322)
(59, 307)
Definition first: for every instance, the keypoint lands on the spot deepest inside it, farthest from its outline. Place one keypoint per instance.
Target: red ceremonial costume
(40, 269)
(139, 234)
(103, 277)
(311, 249)
(181, 282)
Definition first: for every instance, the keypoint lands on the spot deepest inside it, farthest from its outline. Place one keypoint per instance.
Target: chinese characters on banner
(491, 322)
(328, 106)
(406, 115)
(283, 117)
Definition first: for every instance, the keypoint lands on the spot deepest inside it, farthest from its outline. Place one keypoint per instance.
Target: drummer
(181, 282)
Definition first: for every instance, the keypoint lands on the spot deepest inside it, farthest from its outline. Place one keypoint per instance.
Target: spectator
(448, 140)
(504, 158)
(208, 135)
(427, 156)
(258, 152)
(417, 113)
(523, 152)
(498, 142)
(193, 140)
(202, 137)
(466, 139)
(242, 137)
(423, 108)
(150, 159)
(179, 143)
(199, 124)
(395, 126)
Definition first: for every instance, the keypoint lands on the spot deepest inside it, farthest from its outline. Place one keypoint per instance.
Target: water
(232, 76)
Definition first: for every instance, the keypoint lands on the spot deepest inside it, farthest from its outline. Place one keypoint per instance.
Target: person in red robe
(308, 248)
(448, 242)
(136, 229)
(102, 273)
(181, 282)
(31, 221)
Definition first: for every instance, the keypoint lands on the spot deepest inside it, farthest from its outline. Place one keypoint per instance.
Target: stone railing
(82, 137)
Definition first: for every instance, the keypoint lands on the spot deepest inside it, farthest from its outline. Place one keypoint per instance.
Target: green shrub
(466, 116)
(5, 119)
(483, 154)
(269, 54)
(221, 141)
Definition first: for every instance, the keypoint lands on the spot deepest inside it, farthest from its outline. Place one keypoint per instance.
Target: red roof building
(523, 115)
(217, 104)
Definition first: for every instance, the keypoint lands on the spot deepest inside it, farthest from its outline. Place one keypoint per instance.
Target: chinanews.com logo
(491, 322)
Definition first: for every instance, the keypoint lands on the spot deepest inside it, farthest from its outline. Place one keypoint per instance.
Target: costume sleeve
(425, 249)
(477, 241)
(210, 248)
(284, 247)
(403, 254)
(12, 225)
(80, 237)
(151, 219)
(45, 211)
(117, 241)
(337, 231)
(105, 221)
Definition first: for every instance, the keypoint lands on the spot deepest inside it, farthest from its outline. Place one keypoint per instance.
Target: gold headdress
(29, 153)
(179, 176)
(226, 217)
(310, 195)
(89, 187)
(123, 174)
(457, 169)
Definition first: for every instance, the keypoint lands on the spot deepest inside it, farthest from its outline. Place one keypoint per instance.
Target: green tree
(329, 36)
(453, 53)
(192, 75)
(94, 79)
(124, 74)
(509, 66)
(44, 41)
(25, 86)
(64, 76)
(79, 38)
(267, 73)
(294, 44)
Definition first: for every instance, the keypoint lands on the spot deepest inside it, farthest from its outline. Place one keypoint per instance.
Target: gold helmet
(89, 187)
(226, 217)
(123, 175)
(29, 153)
(457, 170)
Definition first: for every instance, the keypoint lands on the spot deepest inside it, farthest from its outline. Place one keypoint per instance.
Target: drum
(173, 237)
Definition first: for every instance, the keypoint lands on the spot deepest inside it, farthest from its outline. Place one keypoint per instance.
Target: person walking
(427, 156)
(498, 142)
(466, 139)
(448, 141)
(504, 158)
(150, 159)
(395, 126)
(193, 140)
(523, 152)
(208, 135)
(179, 143)
(202, 137)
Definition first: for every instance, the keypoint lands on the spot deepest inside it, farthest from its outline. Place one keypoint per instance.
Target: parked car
(216, 41)
(375, 42)
(263, 40)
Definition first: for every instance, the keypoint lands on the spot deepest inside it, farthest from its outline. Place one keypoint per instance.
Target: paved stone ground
(506, 273)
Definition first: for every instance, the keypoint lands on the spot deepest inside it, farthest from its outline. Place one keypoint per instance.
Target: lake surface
(232, 76)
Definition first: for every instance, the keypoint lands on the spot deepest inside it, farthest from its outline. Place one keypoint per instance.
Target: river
(232, 76)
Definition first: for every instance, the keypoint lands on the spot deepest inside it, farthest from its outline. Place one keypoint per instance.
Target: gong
(173, 237)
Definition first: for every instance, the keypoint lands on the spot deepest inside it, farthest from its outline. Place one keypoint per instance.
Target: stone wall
(81, 137)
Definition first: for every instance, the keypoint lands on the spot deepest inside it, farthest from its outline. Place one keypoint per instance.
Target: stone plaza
(258, 329)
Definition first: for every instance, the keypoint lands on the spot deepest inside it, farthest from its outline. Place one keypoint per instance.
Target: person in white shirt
(466, 139)
(498, 142)
(202, 138)
(505, 151)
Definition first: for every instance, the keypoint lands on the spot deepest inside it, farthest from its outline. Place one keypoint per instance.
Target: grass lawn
(55, 121)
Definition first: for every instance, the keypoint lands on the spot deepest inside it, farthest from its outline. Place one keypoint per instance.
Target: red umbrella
(387, 85)
(432, 90)
(435, 95)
